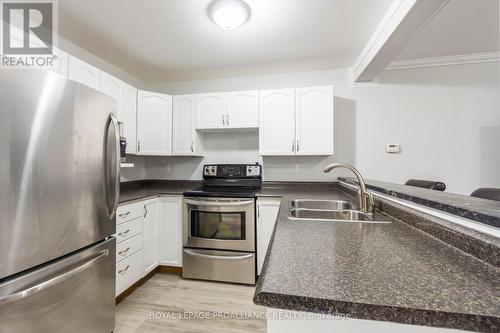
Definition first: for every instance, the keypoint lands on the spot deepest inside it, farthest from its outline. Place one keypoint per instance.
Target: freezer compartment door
(59, 168)
(74, 294)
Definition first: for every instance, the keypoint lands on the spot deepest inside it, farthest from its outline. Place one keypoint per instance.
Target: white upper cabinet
(210, 111)
(112, 87)
(296, 121)
(127, 113)
(238, 109)
(277, 122)
(126, 107)
(154, 124)
(185, 139)
(84, 73)
(242, 109)
(314, 112)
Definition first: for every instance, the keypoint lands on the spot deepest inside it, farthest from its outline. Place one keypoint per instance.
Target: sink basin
(346, 215)
(321, 204)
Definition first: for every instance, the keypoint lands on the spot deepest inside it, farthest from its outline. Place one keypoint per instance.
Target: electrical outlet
(296, 168)
(393, 148)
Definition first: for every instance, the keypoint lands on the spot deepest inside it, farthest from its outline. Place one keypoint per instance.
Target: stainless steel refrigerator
(59, 187)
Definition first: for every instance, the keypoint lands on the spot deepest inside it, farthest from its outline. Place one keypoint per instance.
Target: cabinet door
(314, 132)
(150, 235)
(210, 111)
(184, 121)
(127, 114)
(154, 124)
(112, 87)
(267, 212)
(242, 109)
(171, 231)
(277, 122)
(84, 73)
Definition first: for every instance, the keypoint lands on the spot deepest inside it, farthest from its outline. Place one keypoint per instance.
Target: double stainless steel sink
(330, 210)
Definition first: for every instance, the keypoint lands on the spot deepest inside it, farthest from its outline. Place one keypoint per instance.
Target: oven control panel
(232, 171)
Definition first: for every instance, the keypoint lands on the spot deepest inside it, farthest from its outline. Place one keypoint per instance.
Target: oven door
(219, 223)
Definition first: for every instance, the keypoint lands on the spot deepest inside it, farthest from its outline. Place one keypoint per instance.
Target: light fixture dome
(229, 14)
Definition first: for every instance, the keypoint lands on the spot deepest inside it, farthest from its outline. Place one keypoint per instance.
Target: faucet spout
(365, 199)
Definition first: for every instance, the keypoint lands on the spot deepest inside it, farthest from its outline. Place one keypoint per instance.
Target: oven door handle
(219, 203)
(209, 256)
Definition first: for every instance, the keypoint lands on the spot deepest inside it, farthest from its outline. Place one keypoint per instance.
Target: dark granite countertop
(389, 272)
(477, 209)
(135, 190)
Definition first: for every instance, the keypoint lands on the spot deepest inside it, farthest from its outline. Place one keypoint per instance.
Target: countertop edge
(379, 312)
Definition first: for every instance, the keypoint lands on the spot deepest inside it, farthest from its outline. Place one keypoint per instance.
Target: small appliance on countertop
(219, 224)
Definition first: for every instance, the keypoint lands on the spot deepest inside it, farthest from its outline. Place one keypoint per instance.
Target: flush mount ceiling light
(229, 14)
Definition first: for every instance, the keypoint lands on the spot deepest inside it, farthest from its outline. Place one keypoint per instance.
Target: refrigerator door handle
(116, 199)
(50, 282)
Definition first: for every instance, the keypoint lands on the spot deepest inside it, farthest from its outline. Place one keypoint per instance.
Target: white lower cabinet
(267, 213)
(128, 245)
(128, 229)
(171, 231)
(150, 235)
(128, 271)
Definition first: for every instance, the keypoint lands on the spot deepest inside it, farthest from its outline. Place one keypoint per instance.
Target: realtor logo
(28, 35)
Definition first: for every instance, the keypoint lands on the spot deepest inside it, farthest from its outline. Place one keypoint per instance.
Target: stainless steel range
(219, 224)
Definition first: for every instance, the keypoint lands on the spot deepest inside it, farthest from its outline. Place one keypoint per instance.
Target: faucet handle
(370, 203)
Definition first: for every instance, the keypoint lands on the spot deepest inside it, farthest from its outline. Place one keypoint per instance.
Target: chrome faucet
(365, 199)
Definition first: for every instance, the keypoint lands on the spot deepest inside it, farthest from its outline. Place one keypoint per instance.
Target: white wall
(447, 120)
(138, 172)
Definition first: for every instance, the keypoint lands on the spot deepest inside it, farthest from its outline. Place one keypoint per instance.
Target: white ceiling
(163, 40)
(461, 27)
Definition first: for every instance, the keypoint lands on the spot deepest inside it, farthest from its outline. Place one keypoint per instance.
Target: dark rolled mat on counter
(487, 193)
(428, 184)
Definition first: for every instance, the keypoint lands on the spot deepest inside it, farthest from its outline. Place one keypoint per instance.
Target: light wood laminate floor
(168, 303)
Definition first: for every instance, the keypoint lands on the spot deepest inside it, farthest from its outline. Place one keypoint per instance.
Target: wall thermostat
(393, 148)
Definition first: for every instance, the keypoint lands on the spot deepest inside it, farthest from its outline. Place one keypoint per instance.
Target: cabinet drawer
(128, 247)
(127, 230)
(128, 271)
(128, 212)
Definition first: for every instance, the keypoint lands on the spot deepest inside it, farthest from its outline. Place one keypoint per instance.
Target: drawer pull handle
(123, 271)
(124, 233)
(124, 214)
(124, 252)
